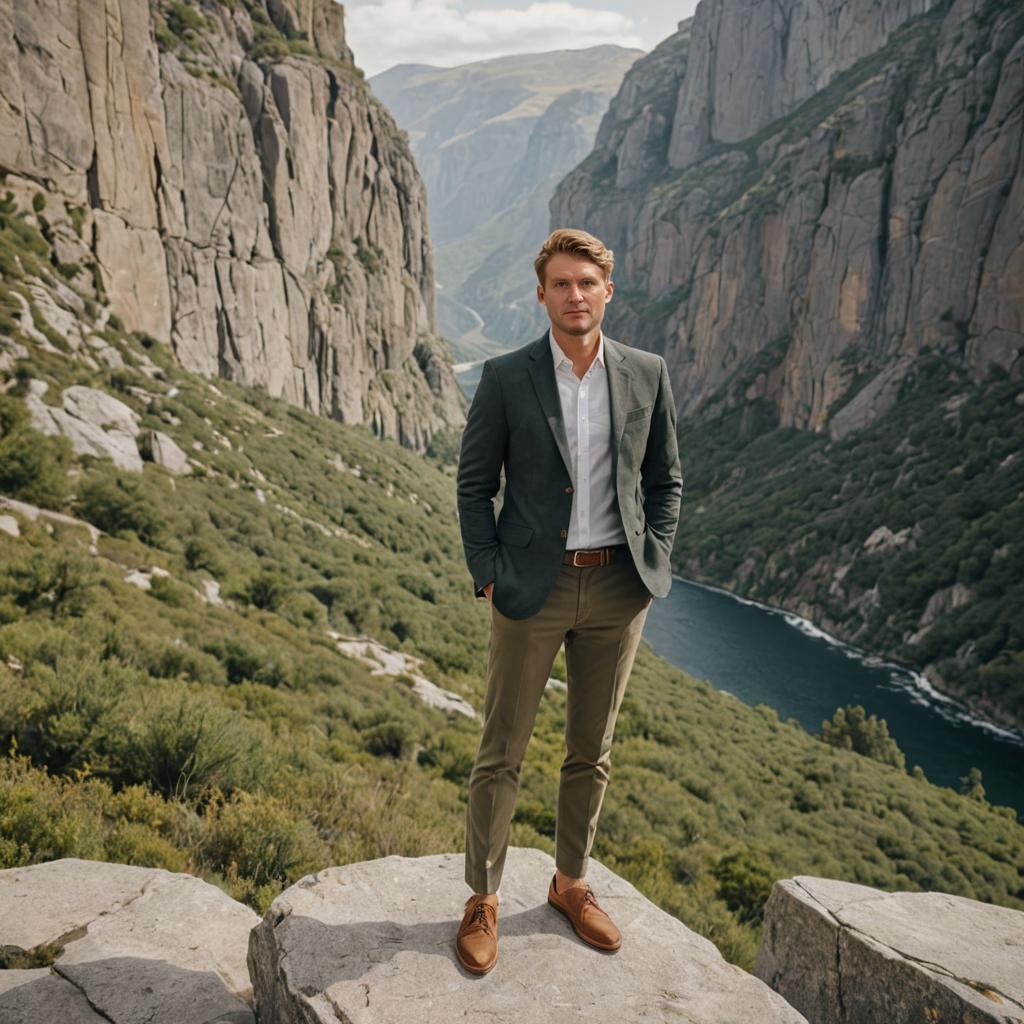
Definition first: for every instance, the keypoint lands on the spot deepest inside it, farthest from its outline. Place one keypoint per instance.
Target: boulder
(164, 451)
(842, 953)
(121, 944)
(374, 942)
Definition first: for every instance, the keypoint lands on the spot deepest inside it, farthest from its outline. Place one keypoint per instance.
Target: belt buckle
(575, 555)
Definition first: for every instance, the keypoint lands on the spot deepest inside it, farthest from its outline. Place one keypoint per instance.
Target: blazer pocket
(638, 414)
(516, 534)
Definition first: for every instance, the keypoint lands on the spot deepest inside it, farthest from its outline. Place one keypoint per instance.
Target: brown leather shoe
(476, 944)
(585, 915)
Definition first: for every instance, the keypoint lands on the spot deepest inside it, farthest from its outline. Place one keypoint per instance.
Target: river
(766, 656)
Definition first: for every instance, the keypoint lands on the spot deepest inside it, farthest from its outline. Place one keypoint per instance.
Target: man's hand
(487, 590)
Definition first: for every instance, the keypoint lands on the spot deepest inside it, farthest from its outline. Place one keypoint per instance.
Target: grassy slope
(241, 744)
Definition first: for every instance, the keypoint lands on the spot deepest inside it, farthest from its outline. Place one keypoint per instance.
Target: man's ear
(609, 288)
(540, 294)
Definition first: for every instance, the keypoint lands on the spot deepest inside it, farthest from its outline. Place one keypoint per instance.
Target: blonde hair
(576, 243)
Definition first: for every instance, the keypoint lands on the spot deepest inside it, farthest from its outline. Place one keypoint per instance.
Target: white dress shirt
(594, 521)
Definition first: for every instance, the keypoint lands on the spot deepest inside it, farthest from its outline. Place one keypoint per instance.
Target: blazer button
(568, 490)
(563, 534)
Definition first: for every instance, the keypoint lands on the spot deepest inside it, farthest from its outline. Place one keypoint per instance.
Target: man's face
(574, 293)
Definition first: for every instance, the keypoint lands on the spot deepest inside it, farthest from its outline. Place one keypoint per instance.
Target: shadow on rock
(118, 990)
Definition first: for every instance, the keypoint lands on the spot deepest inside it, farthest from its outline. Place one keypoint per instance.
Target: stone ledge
(374, 942)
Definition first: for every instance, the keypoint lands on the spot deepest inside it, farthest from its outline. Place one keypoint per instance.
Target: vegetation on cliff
(904, 538)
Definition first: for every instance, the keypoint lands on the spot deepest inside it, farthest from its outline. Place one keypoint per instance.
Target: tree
(852, 729)
(970, 785)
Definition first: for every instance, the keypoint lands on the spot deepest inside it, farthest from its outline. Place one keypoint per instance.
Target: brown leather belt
(594, 556)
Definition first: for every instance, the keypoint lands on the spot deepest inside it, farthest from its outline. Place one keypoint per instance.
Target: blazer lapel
(619, 379)
(542, 373)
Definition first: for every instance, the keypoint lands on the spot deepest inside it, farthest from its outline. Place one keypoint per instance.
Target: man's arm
(660, 471)
(484, 443)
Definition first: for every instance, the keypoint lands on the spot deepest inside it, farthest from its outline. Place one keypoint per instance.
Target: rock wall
(802, 196)
(235, 191)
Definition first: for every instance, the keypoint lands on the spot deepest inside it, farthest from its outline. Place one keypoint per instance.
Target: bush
(37, 820)
(267, 590)
(58, 581)
(745, 880)
(120, 507)
(185, 745)
(67, 717)
(259, 839)
(33, 467)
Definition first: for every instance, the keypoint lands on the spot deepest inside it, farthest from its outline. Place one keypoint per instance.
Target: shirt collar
(560, 357)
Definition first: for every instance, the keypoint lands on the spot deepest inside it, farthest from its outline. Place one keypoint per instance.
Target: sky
(445, 33)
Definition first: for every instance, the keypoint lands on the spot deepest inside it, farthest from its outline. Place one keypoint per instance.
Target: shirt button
(568, 490)
(563, 534)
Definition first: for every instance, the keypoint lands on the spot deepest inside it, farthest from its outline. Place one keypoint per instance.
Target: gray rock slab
(841, 953)
(137, 944)
(374, 942)
(29, 997)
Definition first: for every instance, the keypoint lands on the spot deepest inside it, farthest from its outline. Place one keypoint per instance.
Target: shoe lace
(481, 918)
(589, 901)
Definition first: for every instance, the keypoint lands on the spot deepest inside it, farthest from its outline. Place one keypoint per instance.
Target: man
(585, 431)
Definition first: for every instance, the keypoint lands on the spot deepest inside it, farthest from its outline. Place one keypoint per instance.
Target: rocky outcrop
(843, 953)
(383, 661)
(96, 423)
(375, 942)
(233, 188)
(803, 198)
(85, 942)
(492, 139)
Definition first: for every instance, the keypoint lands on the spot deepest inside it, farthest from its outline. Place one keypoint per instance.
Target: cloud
(439, 32)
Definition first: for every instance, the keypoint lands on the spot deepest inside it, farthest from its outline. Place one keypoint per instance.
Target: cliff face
(801, 200)
(817, 211)
(235, 190)
(493, 139)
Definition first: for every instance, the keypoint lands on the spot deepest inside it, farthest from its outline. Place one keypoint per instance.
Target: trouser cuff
(574, 867)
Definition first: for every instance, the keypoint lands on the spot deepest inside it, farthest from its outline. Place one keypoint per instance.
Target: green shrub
(267, 590)
(39, 821)
(182, 17)
(121, 507)
(970, 785)
(745, 878)
(67, 717)
(184, 745)
(58, 581)
(33, 466)
(260, 839)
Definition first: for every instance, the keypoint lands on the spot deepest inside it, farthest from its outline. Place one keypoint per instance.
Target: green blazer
(515, 423)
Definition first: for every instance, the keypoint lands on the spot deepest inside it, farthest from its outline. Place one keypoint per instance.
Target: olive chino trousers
(599, 613)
